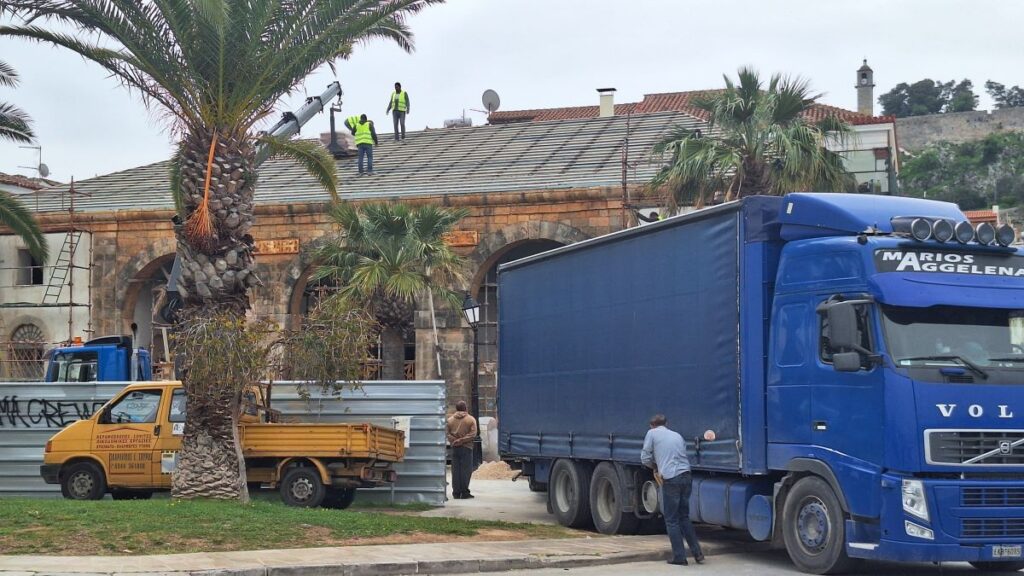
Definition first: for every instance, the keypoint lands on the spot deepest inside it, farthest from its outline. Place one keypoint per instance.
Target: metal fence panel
(32, 412)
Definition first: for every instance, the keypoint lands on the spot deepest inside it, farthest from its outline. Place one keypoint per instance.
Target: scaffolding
(23, 346)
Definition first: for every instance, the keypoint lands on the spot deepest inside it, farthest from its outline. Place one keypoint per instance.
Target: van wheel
(302, 487)
(998, 566)
(607, 497)
(569, 493)
(339, 499)
(83, 481)
(814, 528)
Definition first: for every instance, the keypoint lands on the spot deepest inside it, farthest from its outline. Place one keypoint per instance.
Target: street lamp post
(471, 311)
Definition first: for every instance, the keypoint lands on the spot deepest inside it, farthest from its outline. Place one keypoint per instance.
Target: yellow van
(129, 448)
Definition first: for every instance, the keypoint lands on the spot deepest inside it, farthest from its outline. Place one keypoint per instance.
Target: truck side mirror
(846, 361)
(842, 326)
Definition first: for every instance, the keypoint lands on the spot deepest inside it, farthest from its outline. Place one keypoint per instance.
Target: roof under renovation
(562, 154)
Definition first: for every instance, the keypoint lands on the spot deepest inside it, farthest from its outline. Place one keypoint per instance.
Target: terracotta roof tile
(25, 181)
(979, 216)
(668, 102)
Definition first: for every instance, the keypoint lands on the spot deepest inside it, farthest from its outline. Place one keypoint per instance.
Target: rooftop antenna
(42, 169)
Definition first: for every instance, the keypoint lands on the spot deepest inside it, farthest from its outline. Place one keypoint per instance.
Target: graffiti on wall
(16, 412)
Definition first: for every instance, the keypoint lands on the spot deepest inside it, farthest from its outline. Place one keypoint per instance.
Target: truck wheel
(998, 566)
(83, 481)
(339, 499)
(814, 528)
(607, 497)
(302, 487)
(569, 493)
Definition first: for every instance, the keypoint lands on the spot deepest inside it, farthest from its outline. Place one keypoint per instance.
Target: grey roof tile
(502, 158)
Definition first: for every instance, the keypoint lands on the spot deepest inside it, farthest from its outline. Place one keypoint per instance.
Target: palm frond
(15, 124)
(8, 75)
(311, 155)
(16, 217)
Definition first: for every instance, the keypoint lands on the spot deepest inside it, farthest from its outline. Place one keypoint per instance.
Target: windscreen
(986, 337)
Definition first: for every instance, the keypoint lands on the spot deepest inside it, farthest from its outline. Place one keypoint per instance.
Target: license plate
(1006, 551)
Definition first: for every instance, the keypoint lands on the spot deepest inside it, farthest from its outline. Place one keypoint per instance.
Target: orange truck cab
(129, 448)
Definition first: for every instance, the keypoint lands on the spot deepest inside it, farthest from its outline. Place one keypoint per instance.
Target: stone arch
(138, 301)
(497, 244)
(24, 350)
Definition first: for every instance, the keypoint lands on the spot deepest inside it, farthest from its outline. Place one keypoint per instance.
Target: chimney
(607, 102)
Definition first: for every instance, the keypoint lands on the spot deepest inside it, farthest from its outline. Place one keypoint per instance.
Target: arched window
(25, 353)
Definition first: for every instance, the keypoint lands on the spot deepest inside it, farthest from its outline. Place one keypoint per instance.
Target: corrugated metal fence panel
(421, 476)
(31, 412)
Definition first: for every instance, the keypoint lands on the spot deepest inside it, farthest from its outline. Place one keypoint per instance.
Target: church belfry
(865, 90)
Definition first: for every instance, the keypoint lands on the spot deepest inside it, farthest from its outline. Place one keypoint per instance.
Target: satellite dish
(44, 170)
(491, 101)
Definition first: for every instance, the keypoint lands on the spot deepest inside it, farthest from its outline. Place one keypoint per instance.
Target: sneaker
(699, 559)
(369, 173)
(466, 496)
(682, 562)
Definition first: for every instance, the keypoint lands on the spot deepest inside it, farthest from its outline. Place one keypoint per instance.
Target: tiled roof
(668, 102)
(25, 181)
(514, 157)
(979, 216)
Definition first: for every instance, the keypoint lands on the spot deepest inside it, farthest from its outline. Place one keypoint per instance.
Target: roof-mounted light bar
(942, 230)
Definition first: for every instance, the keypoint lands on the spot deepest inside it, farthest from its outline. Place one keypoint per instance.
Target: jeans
(399, 118)
(675, 505)
(462, 469)
(367, 151)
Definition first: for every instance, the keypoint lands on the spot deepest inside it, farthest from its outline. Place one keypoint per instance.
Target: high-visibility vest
(363, 134)
(352, 121)
(400, 102)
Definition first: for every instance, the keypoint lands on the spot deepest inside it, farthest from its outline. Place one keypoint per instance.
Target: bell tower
(865, 90)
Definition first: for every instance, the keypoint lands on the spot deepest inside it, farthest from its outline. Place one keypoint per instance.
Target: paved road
(774, 563)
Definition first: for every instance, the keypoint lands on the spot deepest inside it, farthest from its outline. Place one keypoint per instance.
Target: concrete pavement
(498, 500)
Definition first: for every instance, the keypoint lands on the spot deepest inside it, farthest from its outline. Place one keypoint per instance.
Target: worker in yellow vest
(399, 107)
(351, 122)
(366, 138)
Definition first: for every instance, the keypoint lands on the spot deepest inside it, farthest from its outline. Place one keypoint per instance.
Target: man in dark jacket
(461, 435)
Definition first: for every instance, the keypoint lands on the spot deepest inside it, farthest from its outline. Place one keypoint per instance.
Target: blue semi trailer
(848, 372)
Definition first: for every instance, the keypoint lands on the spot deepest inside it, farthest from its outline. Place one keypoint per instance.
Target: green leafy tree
(15, 126)
(384, 257)
(972, 174)
(1004, 97)
(929, 97)
(758, 141)
(215, 69)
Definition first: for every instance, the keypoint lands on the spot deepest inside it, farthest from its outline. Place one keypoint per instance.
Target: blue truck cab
(847, 370)
(106, 359)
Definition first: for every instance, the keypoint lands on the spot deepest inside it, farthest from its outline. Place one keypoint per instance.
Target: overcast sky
(548, 53)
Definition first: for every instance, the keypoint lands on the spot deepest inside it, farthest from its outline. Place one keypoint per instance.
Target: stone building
(530, 183)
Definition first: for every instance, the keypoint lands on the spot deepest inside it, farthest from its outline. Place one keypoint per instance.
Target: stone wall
(917, 132)
(131, 247)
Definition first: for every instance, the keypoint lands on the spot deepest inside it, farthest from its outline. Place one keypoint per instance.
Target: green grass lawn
(161, 526)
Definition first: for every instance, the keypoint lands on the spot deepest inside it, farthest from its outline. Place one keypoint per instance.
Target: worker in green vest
(366, 138)
(398, 105)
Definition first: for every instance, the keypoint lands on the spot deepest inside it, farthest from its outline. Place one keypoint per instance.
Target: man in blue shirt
(665, 452)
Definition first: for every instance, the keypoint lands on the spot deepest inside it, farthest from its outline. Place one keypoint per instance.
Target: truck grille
(975, 447)
(992, 527)
(992, 496)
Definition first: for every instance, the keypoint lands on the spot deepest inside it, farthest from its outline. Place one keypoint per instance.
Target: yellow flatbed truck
(129, 448)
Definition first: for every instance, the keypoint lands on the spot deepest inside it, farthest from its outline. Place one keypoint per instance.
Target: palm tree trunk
(392, 353)
(218, 268)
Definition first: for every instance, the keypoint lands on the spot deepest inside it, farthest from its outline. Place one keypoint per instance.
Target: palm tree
(759, 140)
(16, 126)
(215, 69)
(385, 256)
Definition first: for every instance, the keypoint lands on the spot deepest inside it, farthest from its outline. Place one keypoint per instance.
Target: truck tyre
(83, 481)
(302, 487)
(998, 566)
(814, 528)
(339, 499)
(569, 493)
(607, 497)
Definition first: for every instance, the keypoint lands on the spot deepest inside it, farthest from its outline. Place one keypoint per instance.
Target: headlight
(914, 501)
(918, 531)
